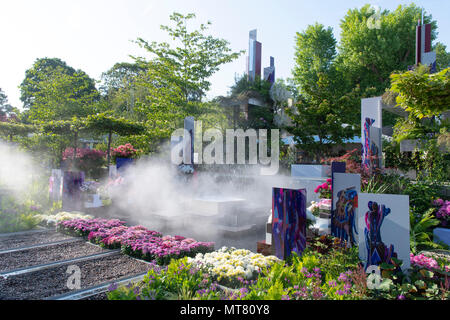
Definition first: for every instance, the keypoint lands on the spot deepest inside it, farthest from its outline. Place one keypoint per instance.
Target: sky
(93, 35)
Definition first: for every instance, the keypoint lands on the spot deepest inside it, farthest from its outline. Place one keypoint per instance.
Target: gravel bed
(53, 281)
(31, 239)
(37, 256)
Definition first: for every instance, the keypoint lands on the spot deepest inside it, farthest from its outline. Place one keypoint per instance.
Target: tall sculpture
(424, 55)
(269, 72)
(254, 61)
(254, 57)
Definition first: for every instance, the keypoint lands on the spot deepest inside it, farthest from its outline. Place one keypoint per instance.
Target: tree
(120, 89)
(320, 118)
(71, 128)
(442, 56)
(52, 90)
(5, 108)
(369, 52)
(324, 113)
(315, 50)
(421, 93)
(192, 63)
(177, 77)
(103, 123)
(173, 80)
(12, 129)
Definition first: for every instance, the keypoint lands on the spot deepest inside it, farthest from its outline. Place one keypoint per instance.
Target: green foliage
(442, 56)
(120, 90)
(52, 90)
(418, 283)
(15, 216)
(421, 93)
(374, 44)
(177, 78)
(190, 65)
(322, 113)
(12, 129)
(5, 108)
(104, 123)
(179, 280)
(311, 276)
(328, 105)
(314, 53)
(421, 233)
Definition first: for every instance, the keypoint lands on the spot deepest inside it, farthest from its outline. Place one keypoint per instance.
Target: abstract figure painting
(346, 188)
(370, 151)
(288, 221)
(371, 133)
(383, 225)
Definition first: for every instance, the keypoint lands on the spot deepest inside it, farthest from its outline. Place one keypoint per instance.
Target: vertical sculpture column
(72, 196)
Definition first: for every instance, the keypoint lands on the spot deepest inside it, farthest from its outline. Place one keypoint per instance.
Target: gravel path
(32, 257)
(53, 281)
(31, 239)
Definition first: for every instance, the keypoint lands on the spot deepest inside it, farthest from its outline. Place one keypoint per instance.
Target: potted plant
(123, 155)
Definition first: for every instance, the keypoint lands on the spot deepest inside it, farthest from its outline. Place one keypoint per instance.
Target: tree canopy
(52, 90)
(421, 93)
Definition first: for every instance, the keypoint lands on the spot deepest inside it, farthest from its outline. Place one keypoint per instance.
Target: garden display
(146, 183)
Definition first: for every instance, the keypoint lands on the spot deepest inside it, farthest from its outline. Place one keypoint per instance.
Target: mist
(16, 169)
(227, 204)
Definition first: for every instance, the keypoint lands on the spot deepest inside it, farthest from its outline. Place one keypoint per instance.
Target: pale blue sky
(92, 35)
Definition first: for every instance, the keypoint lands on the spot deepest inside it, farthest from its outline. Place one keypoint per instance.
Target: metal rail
(41, 245)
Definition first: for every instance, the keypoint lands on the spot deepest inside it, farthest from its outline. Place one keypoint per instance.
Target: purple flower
(113, 286)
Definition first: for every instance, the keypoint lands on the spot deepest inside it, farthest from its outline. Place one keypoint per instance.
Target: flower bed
(82, 227)
(136, 241)
(53, 219)
(162, 249)
(112, 237)
(230, 265)
(334, 274)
